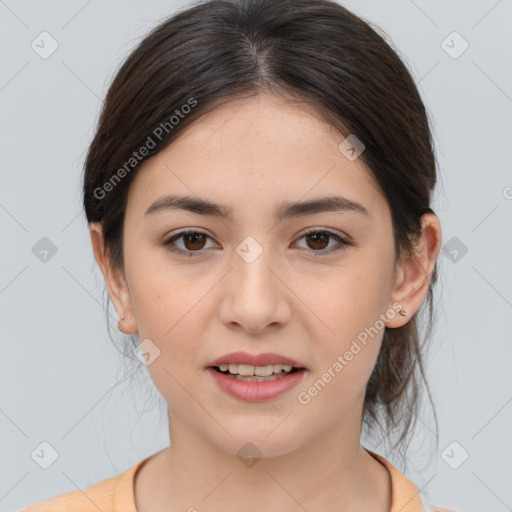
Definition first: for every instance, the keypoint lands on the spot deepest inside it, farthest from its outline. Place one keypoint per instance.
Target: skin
(251, 154)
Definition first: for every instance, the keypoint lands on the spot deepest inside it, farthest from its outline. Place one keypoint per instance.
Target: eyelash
(320, 253)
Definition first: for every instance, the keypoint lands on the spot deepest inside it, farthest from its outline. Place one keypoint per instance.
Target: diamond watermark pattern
(147, 352)
(454, 455)
(455, 249)
(44, 455)
(249, 249)
(44, 45)
(249, 454)
(44, 250)
(351, 147)
(454, 45)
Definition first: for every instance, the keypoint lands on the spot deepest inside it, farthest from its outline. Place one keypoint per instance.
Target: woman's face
(255, 282)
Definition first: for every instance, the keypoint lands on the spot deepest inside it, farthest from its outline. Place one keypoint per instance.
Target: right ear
(114, 279)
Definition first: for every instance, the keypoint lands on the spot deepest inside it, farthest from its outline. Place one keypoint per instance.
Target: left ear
(412, 278)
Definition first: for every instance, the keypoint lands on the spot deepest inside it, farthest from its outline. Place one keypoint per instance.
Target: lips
(263, 359)
(248, 391)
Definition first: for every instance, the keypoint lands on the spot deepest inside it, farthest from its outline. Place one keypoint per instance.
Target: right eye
(191, 237)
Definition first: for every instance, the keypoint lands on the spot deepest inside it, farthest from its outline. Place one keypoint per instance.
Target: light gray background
(65, 383)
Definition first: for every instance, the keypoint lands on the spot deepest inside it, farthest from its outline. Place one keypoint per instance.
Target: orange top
(116, 494)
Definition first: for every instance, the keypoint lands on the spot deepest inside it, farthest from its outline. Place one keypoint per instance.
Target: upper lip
(264, 359)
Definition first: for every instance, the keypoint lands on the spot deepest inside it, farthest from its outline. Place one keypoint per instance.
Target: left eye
(319, 237)
(196, 240)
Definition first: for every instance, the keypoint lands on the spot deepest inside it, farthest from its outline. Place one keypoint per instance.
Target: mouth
(249, 373)
(242, 381)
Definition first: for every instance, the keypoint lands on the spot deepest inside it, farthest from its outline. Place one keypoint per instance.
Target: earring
(403, 312)
(122, 318)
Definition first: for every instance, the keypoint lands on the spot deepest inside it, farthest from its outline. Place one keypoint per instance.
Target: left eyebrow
(285, 210)
(324, 204)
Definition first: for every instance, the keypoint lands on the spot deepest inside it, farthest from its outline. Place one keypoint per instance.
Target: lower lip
(256, 391)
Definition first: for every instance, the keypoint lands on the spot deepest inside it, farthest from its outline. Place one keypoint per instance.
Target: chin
(255, 442)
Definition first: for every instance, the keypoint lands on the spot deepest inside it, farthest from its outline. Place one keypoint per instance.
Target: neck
(331, 472)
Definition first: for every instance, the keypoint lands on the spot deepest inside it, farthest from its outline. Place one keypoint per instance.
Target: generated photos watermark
(305, 397)
(137, 156)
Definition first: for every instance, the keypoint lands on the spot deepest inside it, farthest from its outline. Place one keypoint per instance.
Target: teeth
(260, 371)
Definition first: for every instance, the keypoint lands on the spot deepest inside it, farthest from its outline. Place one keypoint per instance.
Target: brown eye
(318, 241)
(192, 242)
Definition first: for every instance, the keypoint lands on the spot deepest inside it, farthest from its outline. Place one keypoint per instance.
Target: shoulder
(109, 495)
(97, 496)
(405, 495)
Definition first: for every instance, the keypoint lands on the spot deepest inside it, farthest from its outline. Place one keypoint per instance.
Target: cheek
(347, 300)
(346, 352)
(171, 316)
(170, 312)
(343, 319)
(162, 295)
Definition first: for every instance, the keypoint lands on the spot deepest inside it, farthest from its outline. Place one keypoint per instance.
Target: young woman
(258, 193)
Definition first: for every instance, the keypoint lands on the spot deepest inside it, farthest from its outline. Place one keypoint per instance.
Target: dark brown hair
(314, 51)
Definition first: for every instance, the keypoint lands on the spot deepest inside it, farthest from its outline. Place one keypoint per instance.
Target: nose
(255, 296)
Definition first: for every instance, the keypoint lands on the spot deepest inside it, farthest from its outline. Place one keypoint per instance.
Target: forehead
(263, 148)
